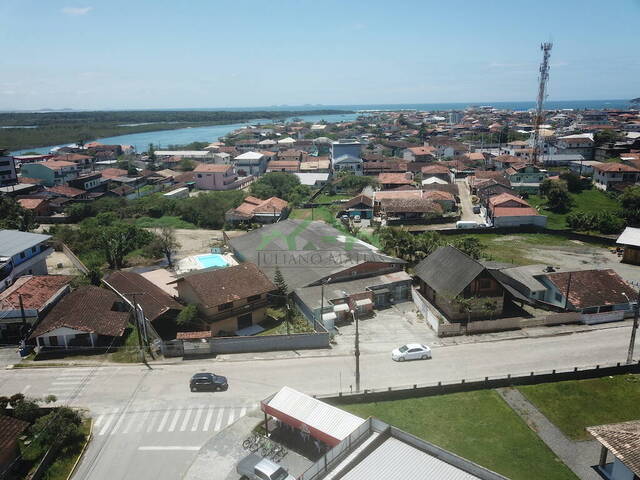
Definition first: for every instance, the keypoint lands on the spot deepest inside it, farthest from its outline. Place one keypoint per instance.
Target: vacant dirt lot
(197, 241)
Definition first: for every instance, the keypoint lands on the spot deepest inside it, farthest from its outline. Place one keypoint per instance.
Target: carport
(312, 417)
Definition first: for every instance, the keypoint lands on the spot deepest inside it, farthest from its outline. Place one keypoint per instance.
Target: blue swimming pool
(212, 260)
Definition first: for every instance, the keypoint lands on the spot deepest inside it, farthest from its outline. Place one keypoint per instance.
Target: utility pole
(542, 93)
(24, 318)
(288, 316)
(357, 350)
(315, 325)
(632, 340)
(137, 320)
(566, 299)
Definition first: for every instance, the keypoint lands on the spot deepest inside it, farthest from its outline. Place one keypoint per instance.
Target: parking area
(386, 330)
(219, 457)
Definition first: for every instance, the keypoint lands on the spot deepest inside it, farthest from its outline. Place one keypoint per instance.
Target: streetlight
(357, 341)
(632, 340)
(315, 325)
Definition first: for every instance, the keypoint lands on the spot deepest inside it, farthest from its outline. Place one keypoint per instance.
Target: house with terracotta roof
(88, 317)
(622, 441)
(27, 301)
(211, 176)
(438, 171)
(228, 299)
(507, 210)
(51, 172)
(420, 154)
(290, 166)
(360, 205)
(159, 308)
(392, 180)
(38, 205)
(599, 295)
(445, 199)
(66, 192)
(256, 210)
(611, 174)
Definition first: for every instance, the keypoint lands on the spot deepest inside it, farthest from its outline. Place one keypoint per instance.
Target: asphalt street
(147, 424)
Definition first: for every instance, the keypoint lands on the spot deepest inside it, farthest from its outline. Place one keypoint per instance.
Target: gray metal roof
(630, 236)
(525, 276)
(13, 242)
(448, 271)
(304, 251)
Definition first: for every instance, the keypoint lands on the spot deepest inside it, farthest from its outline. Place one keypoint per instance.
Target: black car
(208, 382)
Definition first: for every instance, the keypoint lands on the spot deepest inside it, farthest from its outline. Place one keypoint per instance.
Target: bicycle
(251, 442)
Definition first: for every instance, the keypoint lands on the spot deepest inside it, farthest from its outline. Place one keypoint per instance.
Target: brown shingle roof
(360, 199)
(228, 284)
(591, 288)
(615, 167)
(153, 300)
(621, 439)
(66, 191)
(394, 179)
(413, 205)
(88, 309)
(212, 168)
(10, 429)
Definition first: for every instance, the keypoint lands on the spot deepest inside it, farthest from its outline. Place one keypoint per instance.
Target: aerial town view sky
(152, 54)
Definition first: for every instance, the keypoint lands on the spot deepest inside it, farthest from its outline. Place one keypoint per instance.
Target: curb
(84, 447)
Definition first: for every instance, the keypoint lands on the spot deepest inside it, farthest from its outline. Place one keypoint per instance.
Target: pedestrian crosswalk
(69, 384)
(189, 419)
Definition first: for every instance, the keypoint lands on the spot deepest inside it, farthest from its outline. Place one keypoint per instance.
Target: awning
(320, 420)
(364, 302)
(341, 307)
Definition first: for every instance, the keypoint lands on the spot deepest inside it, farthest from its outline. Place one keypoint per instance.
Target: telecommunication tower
(542, 94)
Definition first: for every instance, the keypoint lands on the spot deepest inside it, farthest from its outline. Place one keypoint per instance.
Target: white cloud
(76, 11)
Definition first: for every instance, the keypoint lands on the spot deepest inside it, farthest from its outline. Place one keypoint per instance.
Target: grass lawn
(576, 404)
(479, 426)
(320, 213)
(164, 221)
(61, 467)
(514, 248)
(592, 200)
(129, 352)
(325, 198)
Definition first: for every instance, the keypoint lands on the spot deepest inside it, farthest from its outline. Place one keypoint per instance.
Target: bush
(15, 399)
(603, 222)
(4, 403)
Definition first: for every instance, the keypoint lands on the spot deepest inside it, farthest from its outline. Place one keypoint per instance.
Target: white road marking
(66, 382)
(118, 423)
(207, 421)
(164, 449)
(243, 411)
(183, 427)
(98, 421)
(174, 421)
(132, 418)
(164, 421)
(24, 390)
(196, 420)
(152, 421)
(231, 416)
(219, 420)
(110, 419)
(140, 425)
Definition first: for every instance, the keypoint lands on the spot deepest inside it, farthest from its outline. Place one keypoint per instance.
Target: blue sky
(213, 53)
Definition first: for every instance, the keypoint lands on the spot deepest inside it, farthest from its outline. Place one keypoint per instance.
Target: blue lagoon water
(182, 136)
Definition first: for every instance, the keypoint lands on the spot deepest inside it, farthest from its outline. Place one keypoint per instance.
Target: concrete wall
(269, 343)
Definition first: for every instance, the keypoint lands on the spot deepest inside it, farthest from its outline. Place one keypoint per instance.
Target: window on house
(22, 255)
(225, 306)
(558, 297)
(253, 298)
(33, 249)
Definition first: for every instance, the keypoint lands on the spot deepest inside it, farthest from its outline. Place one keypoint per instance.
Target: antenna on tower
(542, 94)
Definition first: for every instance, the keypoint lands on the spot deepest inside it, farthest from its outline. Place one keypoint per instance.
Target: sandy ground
(59, 258)
(197, 241)
(585, 257)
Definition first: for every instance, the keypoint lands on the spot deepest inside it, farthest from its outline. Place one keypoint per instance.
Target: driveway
(466, 204)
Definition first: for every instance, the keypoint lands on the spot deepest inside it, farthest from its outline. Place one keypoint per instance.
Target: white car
(411, 351)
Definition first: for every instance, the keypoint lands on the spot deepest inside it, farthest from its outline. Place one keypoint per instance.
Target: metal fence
(488, 382)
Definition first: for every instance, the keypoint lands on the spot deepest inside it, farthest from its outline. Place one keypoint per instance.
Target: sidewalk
(578, 456)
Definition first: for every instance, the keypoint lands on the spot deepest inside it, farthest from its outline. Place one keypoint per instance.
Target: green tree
(14, 217)
(120, 239)
(282, 185)
(470, 246)
(189, 318)
(281, 286)
(151, 153)
(574, 182)
(557, 195)
(187, 165)
(605, 136)
(60, 428)
(165, 243)
(355, 183)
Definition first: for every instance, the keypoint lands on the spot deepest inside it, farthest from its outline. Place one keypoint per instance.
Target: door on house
(244, 321)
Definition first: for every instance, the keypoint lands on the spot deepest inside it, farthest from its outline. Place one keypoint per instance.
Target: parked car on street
(411, 351)
(208, 382)
(255, 467)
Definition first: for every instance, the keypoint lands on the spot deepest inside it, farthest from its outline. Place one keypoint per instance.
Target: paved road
(465, 203)
(149, 425)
